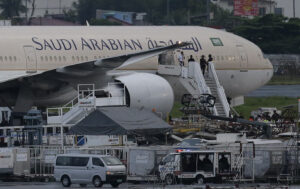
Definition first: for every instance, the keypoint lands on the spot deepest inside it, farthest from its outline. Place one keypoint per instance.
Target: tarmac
(56, 185)
(276, 90)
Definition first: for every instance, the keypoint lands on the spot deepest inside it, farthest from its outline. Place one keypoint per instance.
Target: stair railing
(220, 89)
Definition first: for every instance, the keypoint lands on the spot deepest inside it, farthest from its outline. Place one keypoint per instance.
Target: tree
(272, 33)
(32, 2)
(12, 8)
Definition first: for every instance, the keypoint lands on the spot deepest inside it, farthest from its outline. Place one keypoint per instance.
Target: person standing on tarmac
(203, 64)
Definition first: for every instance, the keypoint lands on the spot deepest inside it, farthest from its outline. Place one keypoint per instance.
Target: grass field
(175, 111)
(251, 103)
(284, 80)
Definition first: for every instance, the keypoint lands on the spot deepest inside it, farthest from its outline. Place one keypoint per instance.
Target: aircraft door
(167, 58)
(243, 58)
(31, 61)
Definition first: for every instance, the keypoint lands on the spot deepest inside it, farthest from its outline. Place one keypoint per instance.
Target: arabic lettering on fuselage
(108, 44)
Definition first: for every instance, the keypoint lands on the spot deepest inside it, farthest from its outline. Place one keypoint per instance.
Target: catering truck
(195, 166)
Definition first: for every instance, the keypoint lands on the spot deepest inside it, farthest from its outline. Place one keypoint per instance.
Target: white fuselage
(240, 64)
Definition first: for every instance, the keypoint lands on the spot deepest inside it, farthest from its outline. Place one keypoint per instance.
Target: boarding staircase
(85, 102)
(212, 81)
(196, 83)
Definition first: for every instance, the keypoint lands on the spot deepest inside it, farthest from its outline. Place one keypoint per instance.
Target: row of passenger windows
(64, 59)
(222, 58)
(8, 58)
(85, 58)
(54, 58)
(51, 58)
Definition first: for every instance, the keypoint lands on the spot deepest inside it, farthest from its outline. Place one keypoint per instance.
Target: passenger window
(65, 59)
(97, 162)
(224, 162)
(46, 58)
(63, 161)
(50, 58)
(80, 161)
(10, 58)
(77, 58)
(205, 162)
(59, 58)
(86, 58)
(1, 59)
(73, 58)
(188, 162)
(50, 130)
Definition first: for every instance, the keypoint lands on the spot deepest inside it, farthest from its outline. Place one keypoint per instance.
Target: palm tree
(12, 8)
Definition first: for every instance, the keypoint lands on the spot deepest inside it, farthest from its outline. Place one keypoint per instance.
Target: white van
(87, 168)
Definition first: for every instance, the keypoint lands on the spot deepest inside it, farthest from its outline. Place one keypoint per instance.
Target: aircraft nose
(270, 70)
(269, 64)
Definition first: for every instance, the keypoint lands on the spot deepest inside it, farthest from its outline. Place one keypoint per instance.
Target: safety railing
(196, 73)
(86, 100)
(55, 115)
(220, 89)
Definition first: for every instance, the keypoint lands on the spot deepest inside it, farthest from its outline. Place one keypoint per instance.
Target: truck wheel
(97, 182)
(200, 179)
(114, 184)
(65, 181)
(169, 180)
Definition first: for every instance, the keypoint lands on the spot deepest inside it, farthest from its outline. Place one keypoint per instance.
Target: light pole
(208, 10)
(60, 7)
(294, 9)
(168, 11)
(26, 14)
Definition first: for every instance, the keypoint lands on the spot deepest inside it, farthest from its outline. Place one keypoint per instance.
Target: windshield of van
(111, 161)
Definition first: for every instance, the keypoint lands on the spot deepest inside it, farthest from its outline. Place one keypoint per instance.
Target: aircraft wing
(84, 72)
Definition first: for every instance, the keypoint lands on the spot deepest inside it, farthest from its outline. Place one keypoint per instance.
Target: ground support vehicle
(87, 168)
(195, 166)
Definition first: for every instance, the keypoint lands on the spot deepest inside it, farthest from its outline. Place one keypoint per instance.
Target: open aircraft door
(243, 58)
(31, 62)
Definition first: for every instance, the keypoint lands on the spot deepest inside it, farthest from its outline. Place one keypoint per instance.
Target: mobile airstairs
(196, 84)
(86, 101)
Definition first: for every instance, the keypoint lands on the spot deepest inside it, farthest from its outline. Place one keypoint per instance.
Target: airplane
(42, 66)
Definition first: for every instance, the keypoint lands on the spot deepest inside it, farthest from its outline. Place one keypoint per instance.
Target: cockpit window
(216, 41)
